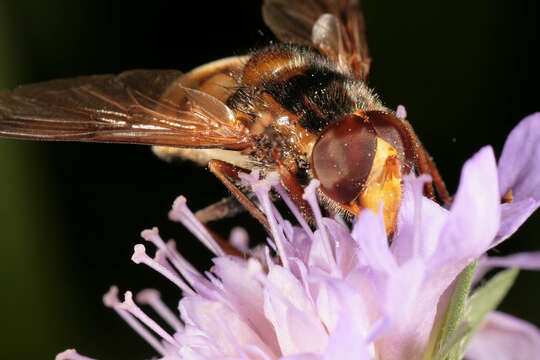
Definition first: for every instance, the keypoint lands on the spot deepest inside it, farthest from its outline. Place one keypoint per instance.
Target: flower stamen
(169, 251)
(129, 305)
(110, 299)
(140, 256)
(310, 195)
(181, 213)
(152, 298)
(71, 354)
(261, 188)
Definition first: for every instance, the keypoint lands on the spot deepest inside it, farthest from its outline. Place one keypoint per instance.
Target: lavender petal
(513, 216)
(519, 165)
(474, 216)
(502, 336)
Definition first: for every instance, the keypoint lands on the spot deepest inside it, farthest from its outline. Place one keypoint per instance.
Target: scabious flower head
(345, 292)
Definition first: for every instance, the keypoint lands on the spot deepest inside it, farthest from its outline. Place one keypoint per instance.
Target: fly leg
(437, 179)
(229, 175)
(423, 168)
(230, 206)
(294, 190)
(427, 166)
(225, 208)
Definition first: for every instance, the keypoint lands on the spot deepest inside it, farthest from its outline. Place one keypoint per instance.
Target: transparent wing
(336, 27)
(140, 106)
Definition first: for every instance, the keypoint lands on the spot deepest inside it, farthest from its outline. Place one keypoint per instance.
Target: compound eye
(392, 130)
(343, 156)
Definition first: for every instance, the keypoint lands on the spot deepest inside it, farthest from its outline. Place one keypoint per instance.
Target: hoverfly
(301, 107)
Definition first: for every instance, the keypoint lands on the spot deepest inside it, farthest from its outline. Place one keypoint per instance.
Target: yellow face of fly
(383, 185)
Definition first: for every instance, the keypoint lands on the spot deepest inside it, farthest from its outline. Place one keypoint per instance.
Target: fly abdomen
(316, 96)
(303, 82)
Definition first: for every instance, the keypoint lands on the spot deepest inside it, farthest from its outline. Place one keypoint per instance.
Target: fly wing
(219, 78)
(141, 107)
(336, 27)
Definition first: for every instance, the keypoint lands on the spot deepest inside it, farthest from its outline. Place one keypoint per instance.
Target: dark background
(70, 214)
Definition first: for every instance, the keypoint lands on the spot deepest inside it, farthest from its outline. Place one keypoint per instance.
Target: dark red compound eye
(343, 156)
(391, 129)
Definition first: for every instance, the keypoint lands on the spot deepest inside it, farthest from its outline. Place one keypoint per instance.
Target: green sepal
(481, 302)
(450, 329)
(465, 314)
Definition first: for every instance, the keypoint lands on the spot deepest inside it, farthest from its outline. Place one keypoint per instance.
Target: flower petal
(291, 312)
(519, 171)
(224, 329)
(519, 165)
(301, 357)
(474, 216)
(297, 332)
(470, 227)
(513, 216)
(346, 341)
(424, 227)
(370, 233)
(504, 337)
(246, 294)
(344, 246)
(524, 261)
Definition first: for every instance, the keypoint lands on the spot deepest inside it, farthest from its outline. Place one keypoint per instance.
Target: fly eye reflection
(343, 156)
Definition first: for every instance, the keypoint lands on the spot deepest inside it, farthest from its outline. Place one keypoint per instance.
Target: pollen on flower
(401, 112)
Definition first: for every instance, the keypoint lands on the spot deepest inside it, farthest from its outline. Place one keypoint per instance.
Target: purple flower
(341, 293)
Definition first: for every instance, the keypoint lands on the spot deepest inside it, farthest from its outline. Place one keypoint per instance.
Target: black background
(70, 213)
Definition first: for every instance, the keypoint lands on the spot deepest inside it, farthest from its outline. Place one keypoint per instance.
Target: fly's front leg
(427, 166)
(437, 180)
(229, 175)
(295, 190)
(225, 171)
